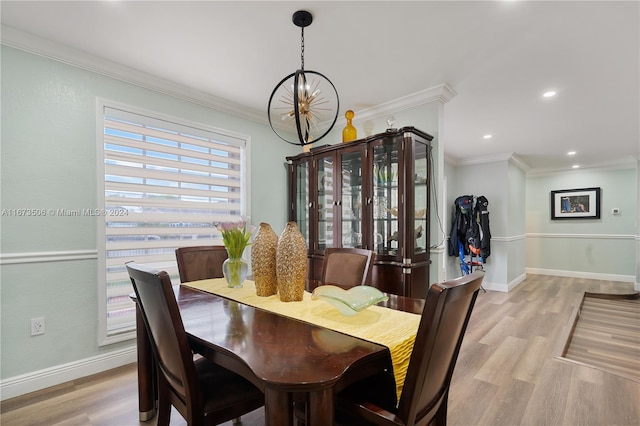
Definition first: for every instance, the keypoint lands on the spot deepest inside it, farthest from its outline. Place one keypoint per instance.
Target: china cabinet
(370, 193)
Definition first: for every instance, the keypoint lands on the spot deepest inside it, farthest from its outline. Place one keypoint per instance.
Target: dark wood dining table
(286, 358)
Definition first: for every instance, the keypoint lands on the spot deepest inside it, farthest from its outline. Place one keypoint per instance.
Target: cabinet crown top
(390, 133)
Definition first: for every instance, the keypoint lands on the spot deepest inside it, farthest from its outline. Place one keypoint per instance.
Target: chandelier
(303, 107)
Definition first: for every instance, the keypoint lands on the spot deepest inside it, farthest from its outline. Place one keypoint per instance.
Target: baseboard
(52, 376)
(505, 288)
(580, 274)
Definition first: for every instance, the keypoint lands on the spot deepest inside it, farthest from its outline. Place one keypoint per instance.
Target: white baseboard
(579, 274)
(37, 380)
(505, 288)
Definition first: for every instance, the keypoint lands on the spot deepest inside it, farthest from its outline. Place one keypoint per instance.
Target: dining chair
(346, 267)
(425, 393)
(200, 262)
(204, 393)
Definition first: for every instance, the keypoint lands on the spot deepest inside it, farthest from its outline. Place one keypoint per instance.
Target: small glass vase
(235, 271)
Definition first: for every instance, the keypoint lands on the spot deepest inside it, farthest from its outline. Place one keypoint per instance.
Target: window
(165, 184)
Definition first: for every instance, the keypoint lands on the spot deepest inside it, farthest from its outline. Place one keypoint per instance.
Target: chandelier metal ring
(306, 102)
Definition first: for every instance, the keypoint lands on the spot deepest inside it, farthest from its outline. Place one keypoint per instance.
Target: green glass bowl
(349, 302)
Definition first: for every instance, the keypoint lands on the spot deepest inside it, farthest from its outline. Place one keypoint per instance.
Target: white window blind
(166, 185)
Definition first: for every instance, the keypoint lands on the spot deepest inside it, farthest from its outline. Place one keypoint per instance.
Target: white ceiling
(498, 56)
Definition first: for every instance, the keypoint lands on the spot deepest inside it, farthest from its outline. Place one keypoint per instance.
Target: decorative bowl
(349, 302)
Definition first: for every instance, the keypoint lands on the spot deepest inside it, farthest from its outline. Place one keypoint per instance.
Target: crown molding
(510, 157)
(30, 43)
(441, 93)
(625, 164)
(478, 160)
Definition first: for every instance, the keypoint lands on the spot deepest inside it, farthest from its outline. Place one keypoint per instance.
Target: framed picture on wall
(575, 204)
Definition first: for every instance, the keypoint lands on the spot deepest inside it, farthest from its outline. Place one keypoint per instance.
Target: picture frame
(583, 203)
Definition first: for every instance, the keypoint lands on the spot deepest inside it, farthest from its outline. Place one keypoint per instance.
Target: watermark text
(38, 212)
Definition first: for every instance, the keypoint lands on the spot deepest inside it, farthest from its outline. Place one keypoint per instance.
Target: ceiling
(499, 57)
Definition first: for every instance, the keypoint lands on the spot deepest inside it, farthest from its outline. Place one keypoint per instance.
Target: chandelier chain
(302, 48)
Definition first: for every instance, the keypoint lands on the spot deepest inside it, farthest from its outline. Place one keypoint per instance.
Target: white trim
(505, 288)
(440, 93)
(583, 236)
(101, 238)
(29, 43)
(507, 239)
(438, 249)
(37, 380)
(623, 164)
(581, 274)
(507, 156)
(47, 256)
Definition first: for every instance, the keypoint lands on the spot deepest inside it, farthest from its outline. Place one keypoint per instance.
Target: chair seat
(236, 394)
(379, 390)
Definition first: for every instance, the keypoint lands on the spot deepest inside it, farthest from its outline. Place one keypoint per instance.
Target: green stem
(235, 266)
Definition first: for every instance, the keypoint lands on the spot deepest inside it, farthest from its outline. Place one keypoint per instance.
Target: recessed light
(571, 153)
(575, 166)
(487, 136)
(549, 94)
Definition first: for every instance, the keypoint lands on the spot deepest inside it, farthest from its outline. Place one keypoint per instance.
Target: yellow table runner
(389, 327)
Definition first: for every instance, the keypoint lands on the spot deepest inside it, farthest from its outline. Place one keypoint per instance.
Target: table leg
(278, 408)
(320, 409)
(146, 372)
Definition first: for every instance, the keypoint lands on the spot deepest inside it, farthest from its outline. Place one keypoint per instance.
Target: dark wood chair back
(198, 389)
(346, 267)
(424, 397)
(200, 262)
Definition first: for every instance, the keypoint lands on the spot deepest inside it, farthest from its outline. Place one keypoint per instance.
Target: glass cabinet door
(302, 199)
(325, 202)
(350, 203)
(387, 208)
(420, 197)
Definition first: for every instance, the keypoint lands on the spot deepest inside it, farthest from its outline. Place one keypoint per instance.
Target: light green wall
(525, 238)
(501, 183)
(637, 284)
(598, 246)
(48, 160)
(618, 189)
(515, 243)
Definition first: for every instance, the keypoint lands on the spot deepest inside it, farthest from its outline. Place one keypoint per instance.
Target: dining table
(292, 351)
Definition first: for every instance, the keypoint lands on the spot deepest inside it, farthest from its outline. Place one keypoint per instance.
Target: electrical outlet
(37, 326)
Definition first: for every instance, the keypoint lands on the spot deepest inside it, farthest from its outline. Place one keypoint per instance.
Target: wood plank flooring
(510, 372)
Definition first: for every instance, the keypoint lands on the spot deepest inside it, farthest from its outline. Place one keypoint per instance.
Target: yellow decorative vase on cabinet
(349, 133)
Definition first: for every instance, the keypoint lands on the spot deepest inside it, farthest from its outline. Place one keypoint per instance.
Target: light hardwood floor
(509, 372)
